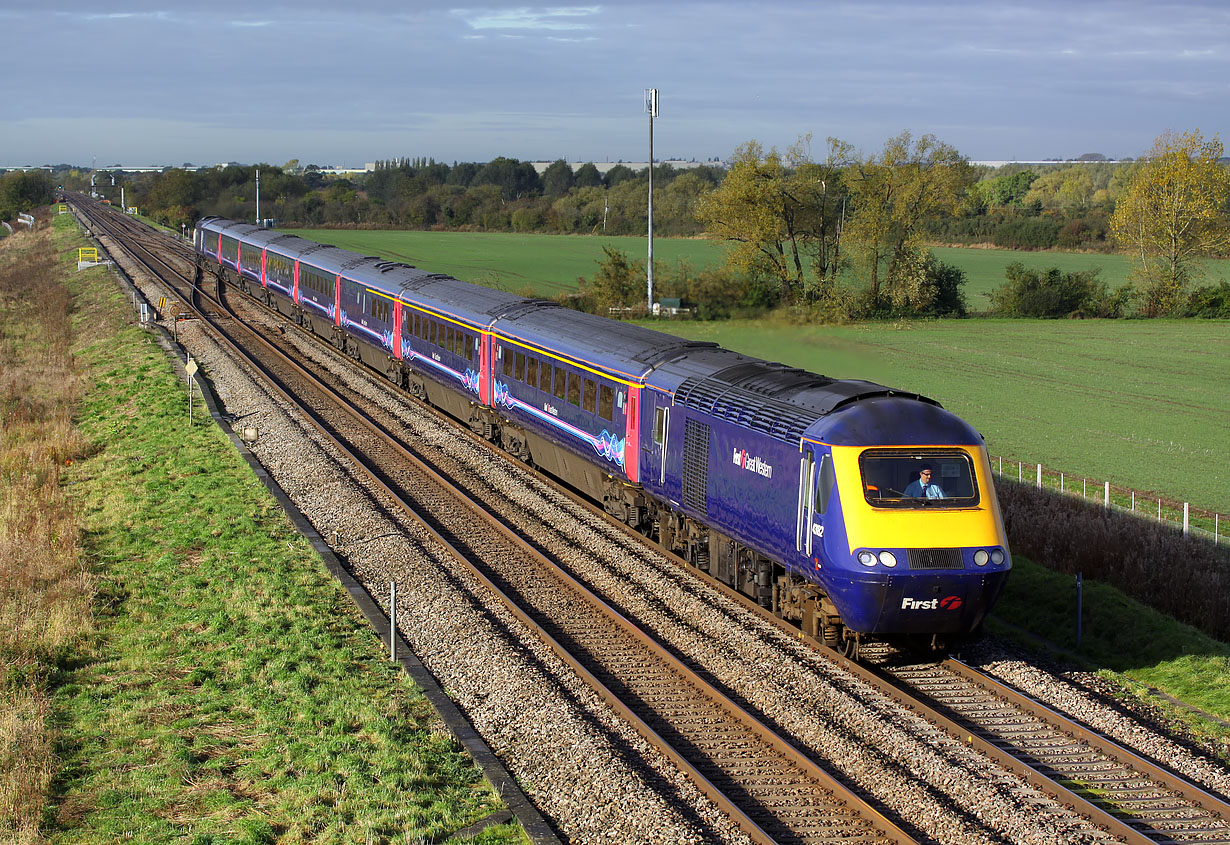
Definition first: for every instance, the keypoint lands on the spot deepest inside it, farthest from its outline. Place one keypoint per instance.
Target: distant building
(603, 167)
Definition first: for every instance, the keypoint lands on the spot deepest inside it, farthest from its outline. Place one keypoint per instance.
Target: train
(802, 492)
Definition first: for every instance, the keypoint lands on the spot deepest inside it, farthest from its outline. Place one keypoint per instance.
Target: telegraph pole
(651, 106)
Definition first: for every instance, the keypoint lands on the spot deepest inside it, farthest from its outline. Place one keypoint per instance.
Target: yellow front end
(868, 526)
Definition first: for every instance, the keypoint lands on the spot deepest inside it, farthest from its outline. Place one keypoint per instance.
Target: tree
(514, 178)
(893, 193)
(1172, 213)
(557, 179)
(777, 211)
(587, 176)
(618, 282)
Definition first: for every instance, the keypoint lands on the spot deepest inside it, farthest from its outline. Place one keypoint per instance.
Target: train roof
(623, 349)
(783, 402)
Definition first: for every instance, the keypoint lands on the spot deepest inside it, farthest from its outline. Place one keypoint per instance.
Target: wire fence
(1195, 522)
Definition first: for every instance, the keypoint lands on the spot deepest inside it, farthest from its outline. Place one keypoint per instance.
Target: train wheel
(852, 646)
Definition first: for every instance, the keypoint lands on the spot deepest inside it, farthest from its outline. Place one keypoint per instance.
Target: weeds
(45, 591)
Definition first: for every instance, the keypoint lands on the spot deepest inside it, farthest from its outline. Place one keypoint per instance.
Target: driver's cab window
(895, 478)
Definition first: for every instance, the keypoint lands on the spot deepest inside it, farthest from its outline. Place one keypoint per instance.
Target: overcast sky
(343, 83)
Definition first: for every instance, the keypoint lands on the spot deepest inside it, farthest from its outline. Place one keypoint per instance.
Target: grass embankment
(217, 684)
(46, 592)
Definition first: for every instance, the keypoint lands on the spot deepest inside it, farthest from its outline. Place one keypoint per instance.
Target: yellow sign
(61, 208)
(87, 253)
(162, 302)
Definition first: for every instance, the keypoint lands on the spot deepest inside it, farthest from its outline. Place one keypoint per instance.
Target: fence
(1192, 521)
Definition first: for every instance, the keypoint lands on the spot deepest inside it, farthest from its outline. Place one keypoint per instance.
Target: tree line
(837, 233)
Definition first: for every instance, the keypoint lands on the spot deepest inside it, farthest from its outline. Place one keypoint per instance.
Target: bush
(1053, 293)
(1212, 302)
(1027, 233)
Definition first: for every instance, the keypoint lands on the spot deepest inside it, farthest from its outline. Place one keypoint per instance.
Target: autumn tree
(892, 194)
(778, 211)
(1172, 213)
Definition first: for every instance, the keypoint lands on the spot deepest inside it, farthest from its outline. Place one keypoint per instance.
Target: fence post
(1159, 510)
(1039, 476)
(1216, 519)
(393, 621)
(1106, 502)
(1185, 520)
(1133, 501)
(1079, 597)
(1018, 472)
(1061, 482)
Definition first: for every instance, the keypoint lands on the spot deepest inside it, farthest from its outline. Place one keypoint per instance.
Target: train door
(816, 482)
(657, 412)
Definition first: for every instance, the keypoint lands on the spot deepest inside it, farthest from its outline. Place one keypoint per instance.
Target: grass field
(1142, 404)
(550, 264)
(546, 265)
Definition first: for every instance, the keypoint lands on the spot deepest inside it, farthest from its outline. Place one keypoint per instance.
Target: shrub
(1027, 233)
(1212, 302)
(1054, 293)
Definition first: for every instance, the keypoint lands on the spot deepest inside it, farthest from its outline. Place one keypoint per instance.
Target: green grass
(547, 265)
(233, 692)
(1129, 643)
(1142, 404)
(550, 264)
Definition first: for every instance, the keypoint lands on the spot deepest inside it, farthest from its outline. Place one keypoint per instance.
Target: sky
(340, 83)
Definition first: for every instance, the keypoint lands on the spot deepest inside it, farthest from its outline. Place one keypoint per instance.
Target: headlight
(888, 559)
(981, 557)
(997, 557)
(866, 558)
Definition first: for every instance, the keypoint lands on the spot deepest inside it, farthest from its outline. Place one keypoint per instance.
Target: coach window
(574, 389)
(591, 396)
(380, 309)
(471, 347)
(561, 382)
(606, 402)
(544, 377)
(531, 372)
(449, 338)
(434, 333)
(519, 372)
(507, 355)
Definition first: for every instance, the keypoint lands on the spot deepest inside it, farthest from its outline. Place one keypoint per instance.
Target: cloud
(558, 18)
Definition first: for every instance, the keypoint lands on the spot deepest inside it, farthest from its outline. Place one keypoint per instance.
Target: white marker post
(191, 369)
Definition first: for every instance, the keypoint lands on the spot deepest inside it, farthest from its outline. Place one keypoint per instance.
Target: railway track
(1128, 797)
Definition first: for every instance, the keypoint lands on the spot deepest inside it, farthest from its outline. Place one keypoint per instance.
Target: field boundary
(1181, 516)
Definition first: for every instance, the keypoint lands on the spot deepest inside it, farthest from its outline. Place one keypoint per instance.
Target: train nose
(937, 603)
